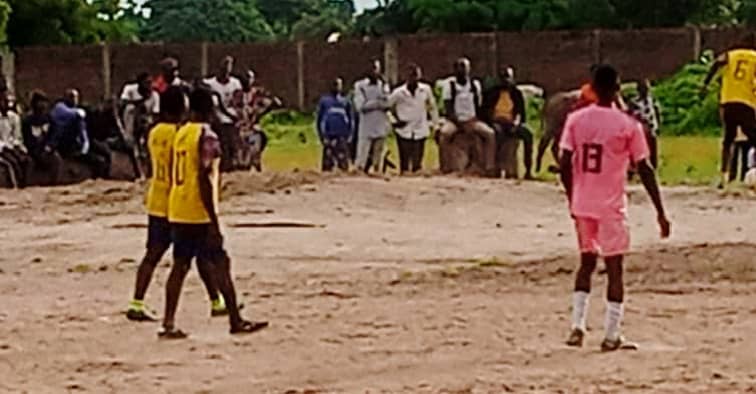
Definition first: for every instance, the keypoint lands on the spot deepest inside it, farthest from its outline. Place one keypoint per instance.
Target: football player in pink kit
(598, 144)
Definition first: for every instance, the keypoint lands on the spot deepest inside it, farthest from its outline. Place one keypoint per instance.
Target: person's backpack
(475, 92)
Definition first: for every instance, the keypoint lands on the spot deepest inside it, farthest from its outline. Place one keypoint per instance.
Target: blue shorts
(158, 233)
(197, 241)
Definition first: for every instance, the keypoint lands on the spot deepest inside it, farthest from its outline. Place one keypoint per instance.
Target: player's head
(201, 103)
(746, 41)
(606, 82)
(172, 104)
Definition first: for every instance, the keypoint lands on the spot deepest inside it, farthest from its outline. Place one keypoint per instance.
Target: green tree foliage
(205, 20)
(4, 13)
(51, 22)
(683, 111)
(310, 18)
(408, 16)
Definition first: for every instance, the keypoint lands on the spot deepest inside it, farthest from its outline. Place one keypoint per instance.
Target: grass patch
(294, 145)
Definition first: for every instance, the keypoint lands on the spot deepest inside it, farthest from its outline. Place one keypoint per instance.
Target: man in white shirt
(140, 105)
(225, 86)
(462, 97)
(13, 155)
(371, 103)
(411, 105)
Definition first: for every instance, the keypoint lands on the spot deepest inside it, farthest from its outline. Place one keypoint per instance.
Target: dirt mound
(238, 184)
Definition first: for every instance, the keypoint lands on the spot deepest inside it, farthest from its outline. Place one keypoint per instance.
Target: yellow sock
(136, 305)
(219, 304)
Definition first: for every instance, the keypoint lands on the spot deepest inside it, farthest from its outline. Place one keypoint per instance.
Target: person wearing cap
(504, 110)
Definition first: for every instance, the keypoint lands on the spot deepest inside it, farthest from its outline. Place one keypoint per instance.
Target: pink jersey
(604, 141)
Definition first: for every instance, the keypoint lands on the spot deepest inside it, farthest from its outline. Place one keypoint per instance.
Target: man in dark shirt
(35, 129)
(504, 109)
(69, 136)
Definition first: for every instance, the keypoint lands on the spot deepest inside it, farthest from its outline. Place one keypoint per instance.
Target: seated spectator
(504, 109)
(36, 130)
(13, 154)
(69, 136)
(462, 102)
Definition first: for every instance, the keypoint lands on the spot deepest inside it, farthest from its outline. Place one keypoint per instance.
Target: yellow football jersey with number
(739, 78)
(160, 145)
(185, 199)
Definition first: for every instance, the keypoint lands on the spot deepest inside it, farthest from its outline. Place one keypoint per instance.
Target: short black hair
(173, 102)
(143, 77)
(605, 80)
(201, 101)
(37, 97)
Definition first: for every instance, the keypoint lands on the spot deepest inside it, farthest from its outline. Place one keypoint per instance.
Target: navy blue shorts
(158, 233)
(197, 241)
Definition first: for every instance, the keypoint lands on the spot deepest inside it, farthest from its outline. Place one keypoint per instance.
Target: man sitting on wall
(13, 153)
(68, 135)
(504, 109)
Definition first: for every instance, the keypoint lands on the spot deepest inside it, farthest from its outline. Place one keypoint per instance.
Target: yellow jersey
(186, 200)
(739, 78)
(160, 145)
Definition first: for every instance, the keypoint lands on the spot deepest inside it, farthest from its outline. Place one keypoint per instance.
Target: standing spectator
(645, 108)
(335, 124)
(412, 104)
(462, 103)
(169, 76)
(68, 135)
(35, 129)
(224, 85)
(140, 104)
(13, 153)
(371, 103)
(504, 109)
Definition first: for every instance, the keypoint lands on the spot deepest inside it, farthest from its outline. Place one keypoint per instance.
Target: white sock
(579, 309)
(613, 320)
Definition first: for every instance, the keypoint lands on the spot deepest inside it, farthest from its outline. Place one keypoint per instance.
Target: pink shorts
(608, 237)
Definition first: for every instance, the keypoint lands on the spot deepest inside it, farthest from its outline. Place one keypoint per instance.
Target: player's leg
(187, 240)
(614, 238)
(730, 118)
(587, 232)
(615, 295)
(215, 254)
(209, 278)
(158, 242)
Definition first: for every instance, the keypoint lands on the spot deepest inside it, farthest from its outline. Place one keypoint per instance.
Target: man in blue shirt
(335, 124)
(68, 135)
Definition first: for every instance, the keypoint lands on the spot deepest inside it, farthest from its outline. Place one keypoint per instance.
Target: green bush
(683, 111)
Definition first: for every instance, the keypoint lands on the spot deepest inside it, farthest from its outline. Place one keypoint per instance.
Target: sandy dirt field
(424, 285)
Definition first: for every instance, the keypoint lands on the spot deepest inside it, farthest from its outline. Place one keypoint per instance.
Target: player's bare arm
(720, 62)
(648, 178)
(565, 174)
